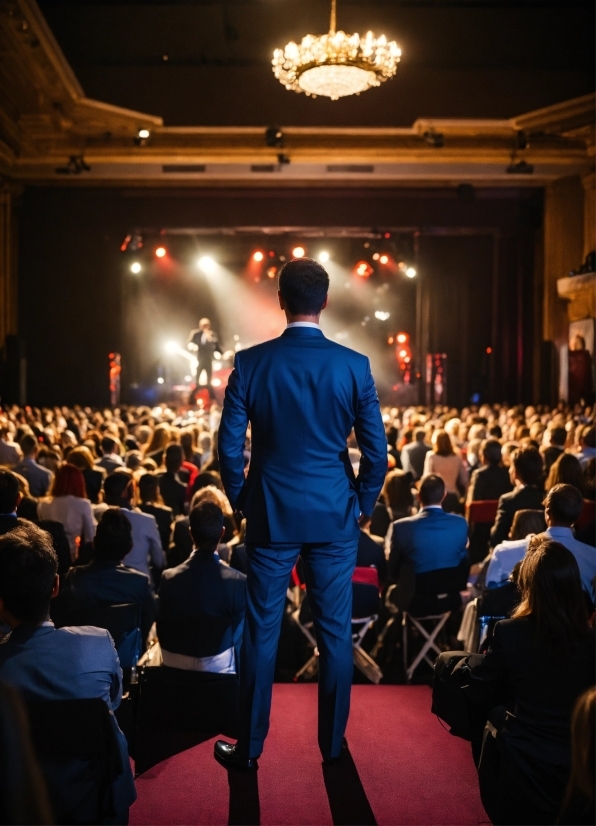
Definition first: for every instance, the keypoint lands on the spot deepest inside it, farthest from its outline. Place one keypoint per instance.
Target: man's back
(302, 394)
(429, 541)
(412, 458)
(489, 482)
(38, 477)
(522, 498)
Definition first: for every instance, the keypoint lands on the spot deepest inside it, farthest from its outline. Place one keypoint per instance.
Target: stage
(403, 768)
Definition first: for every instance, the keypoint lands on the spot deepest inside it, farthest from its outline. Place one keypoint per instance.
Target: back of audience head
(432, 490)
(28, 575)
(81, 457)
(566, 470)
(10, 493)
(109, 445)
(558, 436)
(551, 593)
(588, 436)
(149, 489)
(303, 285)
(206, 526)
(69, 481)
(133, 459)
(490, 452)
(174, 458)
(563, 505)
(118, 487)
(419, 434)
(527, 522)
(113, 538)
(207, 478)
(397, 492)
(442, 443)
(527, 465)
(29, 446)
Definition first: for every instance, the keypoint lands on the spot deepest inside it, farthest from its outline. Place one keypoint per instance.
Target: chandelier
(337, 64)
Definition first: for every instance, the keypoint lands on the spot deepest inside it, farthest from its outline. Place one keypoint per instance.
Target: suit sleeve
(370, 435)
(500, 529)
(232, 435)
(488, 677)
(155, 549)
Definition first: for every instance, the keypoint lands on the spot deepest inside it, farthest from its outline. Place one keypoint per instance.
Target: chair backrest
(587, 514)
(195, 636)
(117, 619)
(366, 600)
(65, 733)
(366, 576)
(483, 510)
(443, 580)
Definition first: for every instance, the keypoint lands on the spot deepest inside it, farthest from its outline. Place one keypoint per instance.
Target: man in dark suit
(412, 455)
(204, 342)
(491, 480)
(38, 477)
(556, 448)
(526, 470)
(9, 500)
(171, 487)
(106, 580)
(430, 540)
(302, 395)
(202, 602)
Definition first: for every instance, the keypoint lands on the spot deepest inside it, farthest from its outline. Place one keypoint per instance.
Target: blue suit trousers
(328, 570)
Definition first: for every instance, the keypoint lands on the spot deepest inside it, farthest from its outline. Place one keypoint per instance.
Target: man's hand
(364, 521)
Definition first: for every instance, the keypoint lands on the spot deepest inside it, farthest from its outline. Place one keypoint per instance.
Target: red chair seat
(484, 510)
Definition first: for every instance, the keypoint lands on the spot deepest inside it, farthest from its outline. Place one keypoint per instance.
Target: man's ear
(325, 302)
(55, 587)
(282, 303)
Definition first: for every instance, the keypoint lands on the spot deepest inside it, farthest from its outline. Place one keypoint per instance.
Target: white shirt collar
(303, 324)
(431, 507)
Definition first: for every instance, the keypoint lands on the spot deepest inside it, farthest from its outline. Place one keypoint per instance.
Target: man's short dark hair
(564, 503)
(303, 284)
(419, 434)
(589, 436)
(174, 457)
(558, 436)
(527, 462)
(113, 538)
(108, 444)
(28, 568)
(206, 524)
(432, 490)
(28, 444)
(9, 492)
(116, 483)
(491, 451)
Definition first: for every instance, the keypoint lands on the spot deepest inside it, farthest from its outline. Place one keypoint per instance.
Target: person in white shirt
(526, 523)
(10, 452)
(68, 504)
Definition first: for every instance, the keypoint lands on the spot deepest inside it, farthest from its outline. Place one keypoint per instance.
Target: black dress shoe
(227, 755)
(331, 761)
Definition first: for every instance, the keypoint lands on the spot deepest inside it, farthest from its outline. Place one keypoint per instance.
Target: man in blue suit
(302, 395)
(430, 540)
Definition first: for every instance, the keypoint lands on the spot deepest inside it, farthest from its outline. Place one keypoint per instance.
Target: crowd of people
(126, 506)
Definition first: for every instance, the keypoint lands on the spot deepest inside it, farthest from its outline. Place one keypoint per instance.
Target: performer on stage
(302, 395)
(204, 342)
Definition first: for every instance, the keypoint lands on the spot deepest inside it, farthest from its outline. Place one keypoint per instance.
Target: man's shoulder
(259, 350)
(138, 516)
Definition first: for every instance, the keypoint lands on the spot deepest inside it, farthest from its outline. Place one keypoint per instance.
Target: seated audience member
(444, 461)
(39, 478)
(180, 546)
(152, 503)
(588, 445)
(110, 456)
(10, 496)
(526, 471)
(93, 475)
(526, 523)
(189, 448)
(491, 480)
(146, 542)
(46, 663)
(578, 805)
(10, 452)
(206, 479)
(538, 664)
(563, 505)
(391, 434)
(396, 501)
(202, 602)
(106, 580)
(566, 470)
(413, 455)
(557, 440)
(430, 540)
(590, 479)
(156, 446)
(68, 504)
(171, 486)
(371, 554)
(133, 460)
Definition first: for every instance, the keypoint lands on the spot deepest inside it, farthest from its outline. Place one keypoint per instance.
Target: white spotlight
(143, 134)
(160, 380)
(171, 347)
(411, 272)
(323, 257)
(381, 315)
(135, 267)
(207, 264)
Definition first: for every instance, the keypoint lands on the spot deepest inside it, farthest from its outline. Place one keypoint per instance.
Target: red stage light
(258, 255)
(387, 235)
(298, 252)
(489, 350)
(403, 353)
(160, 252)
(376, 256)
(402, 337)
(363, 269)
(384, 259)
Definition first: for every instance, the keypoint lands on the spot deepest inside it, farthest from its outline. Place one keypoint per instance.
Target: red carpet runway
(404, 769)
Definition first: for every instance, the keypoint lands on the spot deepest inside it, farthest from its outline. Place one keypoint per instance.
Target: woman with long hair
(539, 662)
(566, 471)
(68, 504)
(395, 502)
(93, 475)
(446, 463)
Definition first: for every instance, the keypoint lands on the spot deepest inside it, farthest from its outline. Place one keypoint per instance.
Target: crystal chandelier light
(336, 64)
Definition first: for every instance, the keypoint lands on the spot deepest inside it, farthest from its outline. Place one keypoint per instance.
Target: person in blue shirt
(302, 395)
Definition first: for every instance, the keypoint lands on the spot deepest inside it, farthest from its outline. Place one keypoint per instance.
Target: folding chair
(436, 597)
(481, 517)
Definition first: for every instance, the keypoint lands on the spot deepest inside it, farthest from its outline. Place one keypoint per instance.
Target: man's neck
(309, 319)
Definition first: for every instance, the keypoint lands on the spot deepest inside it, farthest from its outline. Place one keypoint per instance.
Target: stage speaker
(14, 379)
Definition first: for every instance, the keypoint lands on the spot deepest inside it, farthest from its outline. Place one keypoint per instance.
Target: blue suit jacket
(428, 541)
(302, 394)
